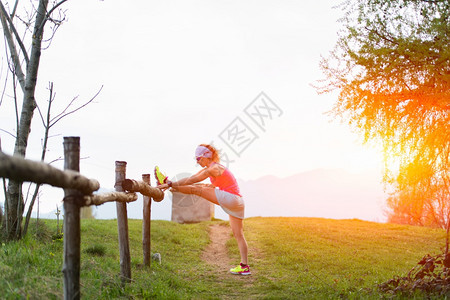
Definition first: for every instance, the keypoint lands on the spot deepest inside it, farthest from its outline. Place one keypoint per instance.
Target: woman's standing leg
(237, 227)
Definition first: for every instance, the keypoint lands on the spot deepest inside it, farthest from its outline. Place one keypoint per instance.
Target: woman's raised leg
(207, 193)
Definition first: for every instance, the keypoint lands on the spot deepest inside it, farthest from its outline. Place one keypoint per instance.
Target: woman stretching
(227, 195)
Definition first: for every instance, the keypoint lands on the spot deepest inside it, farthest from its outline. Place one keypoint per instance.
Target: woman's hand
(163, 187)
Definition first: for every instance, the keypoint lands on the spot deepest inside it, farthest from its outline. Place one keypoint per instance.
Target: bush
(431, 275)
(40, 231)
(97, 250)
(58, 236)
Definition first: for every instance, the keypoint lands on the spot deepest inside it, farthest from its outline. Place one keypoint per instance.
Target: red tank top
(226, 182)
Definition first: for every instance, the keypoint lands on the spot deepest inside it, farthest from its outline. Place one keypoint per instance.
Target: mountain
(336, 194)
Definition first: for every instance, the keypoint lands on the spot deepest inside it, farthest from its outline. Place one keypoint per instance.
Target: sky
(175, 74)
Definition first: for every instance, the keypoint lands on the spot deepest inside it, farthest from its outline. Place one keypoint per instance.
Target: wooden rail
(109, 197)
(20, 169)
(144, 188)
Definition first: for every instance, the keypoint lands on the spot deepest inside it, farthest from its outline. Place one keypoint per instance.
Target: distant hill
(335, 194)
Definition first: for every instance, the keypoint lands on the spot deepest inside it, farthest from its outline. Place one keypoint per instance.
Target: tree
(426, 202)
(24, 66)
(27, 82)
(391, 65)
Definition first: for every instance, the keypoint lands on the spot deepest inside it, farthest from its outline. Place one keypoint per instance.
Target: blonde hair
(215, 153)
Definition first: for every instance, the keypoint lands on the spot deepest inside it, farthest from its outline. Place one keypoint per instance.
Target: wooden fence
(78, 192)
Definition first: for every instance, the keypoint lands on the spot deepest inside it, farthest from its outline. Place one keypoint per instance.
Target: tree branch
(14, 30)
(14, 9)
(12, 48)
(47, 16)
(63, 114)
(44, 151)
(8, 133)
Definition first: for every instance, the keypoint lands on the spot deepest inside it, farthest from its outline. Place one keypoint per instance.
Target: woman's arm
(199, 176)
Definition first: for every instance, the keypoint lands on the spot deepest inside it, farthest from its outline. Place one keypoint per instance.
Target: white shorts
(232, 204)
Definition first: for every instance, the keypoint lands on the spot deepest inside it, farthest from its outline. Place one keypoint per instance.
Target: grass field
(291, 258)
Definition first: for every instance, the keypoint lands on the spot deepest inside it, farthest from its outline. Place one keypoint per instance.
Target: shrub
(98, 250)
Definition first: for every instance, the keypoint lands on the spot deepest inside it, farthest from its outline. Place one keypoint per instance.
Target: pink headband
(202, 151)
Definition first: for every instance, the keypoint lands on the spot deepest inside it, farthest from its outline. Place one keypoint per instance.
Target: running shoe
(160, 177)
(241, 269)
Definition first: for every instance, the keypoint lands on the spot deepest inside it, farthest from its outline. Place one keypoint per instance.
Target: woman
(227, 195)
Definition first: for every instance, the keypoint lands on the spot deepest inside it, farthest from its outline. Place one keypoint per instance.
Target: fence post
(72, 200)
(122, 224)
(146, 219)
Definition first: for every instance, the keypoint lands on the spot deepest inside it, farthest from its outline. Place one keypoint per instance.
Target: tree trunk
(14, 196)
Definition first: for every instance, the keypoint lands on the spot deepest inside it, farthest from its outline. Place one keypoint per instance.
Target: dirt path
(216, 253)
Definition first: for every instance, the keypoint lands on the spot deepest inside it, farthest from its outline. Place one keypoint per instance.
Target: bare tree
(48, 122)
(24, 66)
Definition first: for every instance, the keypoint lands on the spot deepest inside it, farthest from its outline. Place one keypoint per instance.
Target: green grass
(291, 258)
